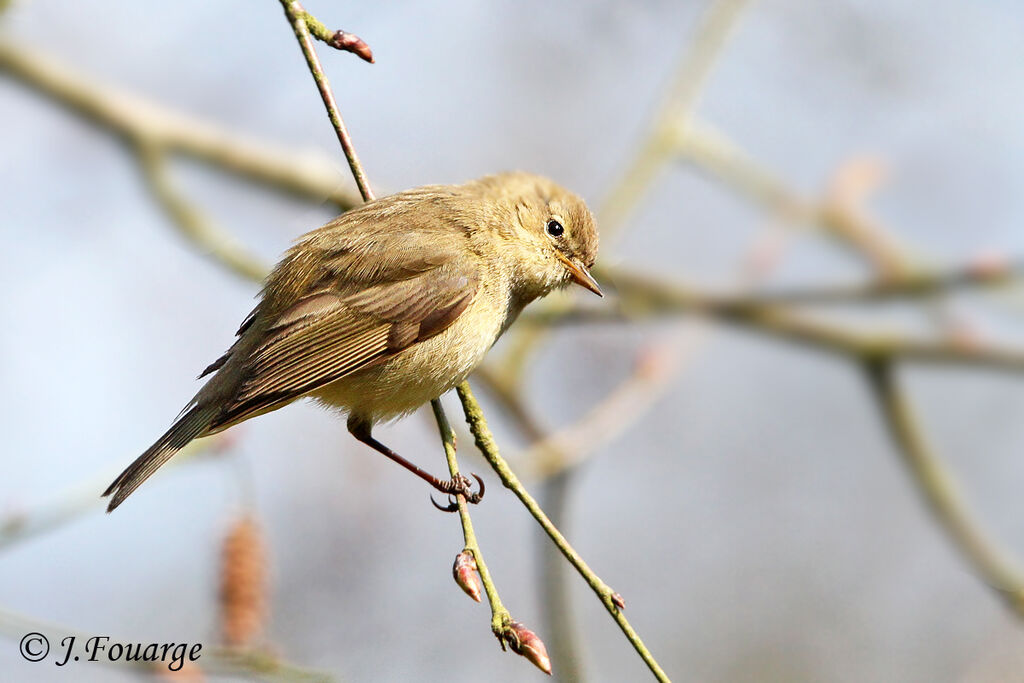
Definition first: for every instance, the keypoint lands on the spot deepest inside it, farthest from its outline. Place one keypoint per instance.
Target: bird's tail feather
(193, 423)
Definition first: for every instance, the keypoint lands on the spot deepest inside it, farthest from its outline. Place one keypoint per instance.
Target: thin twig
(940, 488)
(500, 617)
(609, 598)
(555, 460)
(297, 17)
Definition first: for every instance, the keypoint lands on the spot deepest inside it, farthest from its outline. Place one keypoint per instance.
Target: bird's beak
(580, 274)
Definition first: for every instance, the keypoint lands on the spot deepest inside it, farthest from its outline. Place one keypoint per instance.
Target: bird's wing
(356, 312)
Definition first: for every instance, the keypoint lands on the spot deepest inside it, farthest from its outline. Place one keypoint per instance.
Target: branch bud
(350, 42)
(525, 643)
(465, 573)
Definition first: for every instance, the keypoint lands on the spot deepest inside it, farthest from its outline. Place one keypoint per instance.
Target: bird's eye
(555, 228)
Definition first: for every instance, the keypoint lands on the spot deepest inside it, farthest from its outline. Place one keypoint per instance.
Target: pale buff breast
(425, 370)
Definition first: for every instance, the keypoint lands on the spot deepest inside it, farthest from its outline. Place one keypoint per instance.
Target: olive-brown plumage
(389, 306)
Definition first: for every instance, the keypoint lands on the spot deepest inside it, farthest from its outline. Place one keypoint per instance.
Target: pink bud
(465, 574)
(525, 643)
(350, 42)
(618, 601)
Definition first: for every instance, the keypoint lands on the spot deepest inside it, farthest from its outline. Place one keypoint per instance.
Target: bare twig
(500, 617)
(981, 272)
(941, 490)
(609, 598)
(297, 17)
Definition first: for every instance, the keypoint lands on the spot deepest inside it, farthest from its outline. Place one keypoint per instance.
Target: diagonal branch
(192, 223)
(711, 150)
(940, 488)
(610, 599)
(297, 17)
(656, 149)
(500, 616)
(307, 175)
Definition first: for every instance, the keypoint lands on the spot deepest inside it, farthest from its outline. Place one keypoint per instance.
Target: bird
(387, 307)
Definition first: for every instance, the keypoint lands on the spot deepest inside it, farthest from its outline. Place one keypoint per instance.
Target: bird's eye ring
(555, 228)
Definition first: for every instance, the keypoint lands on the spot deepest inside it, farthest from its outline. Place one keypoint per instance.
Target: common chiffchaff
(389, 306)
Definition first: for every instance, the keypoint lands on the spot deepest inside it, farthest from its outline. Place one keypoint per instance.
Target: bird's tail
(193, 423)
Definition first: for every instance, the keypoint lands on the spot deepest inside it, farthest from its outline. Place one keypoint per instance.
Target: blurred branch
(307, 175)
(218, 661)
(610, 599)
(709, 149)
(985, 271)
(940, 489)
(558, 606)
(193, 224)
(653, 371)
(642, 296)
(82, 498)
(654, 151)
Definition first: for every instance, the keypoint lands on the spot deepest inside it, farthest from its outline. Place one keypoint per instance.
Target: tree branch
(642, 296)
(193, 224)
(500, 616)
(610, 599)
(297, 17)
(307, 175)
(940, 489)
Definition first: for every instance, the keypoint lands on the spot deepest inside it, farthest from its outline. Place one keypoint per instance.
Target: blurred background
(753, 511)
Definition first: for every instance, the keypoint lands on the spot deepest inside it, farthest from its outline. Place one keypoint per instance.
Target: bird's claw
(452, 505)
(459, 486)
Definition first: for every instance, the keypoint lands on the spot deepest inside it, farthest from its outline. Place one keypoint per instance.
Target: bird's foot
(458, 486)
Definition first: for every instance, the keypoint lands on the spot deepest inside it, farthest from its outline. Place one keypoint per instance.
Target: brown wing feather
(328, 335)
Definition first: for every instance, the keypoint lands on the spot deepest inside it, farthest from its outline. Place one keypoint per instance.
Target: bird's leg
(361, 430)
